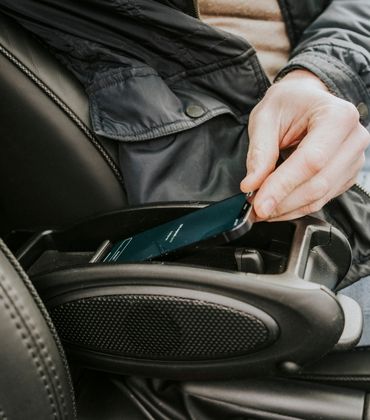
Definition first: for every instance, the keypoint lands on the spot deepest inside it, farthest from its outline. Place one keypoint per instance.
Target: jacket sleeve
(336, 47)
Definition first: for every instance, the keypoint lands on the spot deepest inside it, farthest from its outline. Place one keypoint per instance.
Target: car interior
(249, 330)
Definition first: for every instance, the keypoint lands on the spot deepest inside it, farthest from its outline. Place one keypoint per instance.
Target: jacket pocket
(135, 104)
(176, 143)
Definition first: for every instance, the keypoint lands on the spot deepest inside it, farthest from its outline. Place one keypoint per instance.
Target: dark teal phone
(222, 221)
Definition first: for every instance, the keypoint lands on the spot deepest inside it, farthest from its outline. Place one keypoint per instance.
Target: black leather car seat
(34, 380)
(53, 169)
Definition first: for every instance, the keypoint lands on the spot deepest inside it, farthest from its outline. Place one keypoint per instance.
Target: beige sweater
(258, 21)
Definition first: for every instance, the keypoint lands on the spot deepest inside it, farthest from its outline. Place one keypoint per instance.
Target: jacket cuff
(340, 79)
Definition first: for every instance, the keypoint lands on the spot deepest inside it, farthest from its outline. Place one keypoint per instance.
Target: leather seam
(21, 325)
(19, 270)
(64, 107)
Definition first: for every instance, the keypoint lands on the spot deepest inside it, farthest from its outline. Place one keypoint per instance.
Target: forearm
(336, 47)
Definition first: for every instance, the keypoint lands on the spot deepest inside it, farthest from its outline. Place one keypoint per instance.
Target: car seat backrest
(34, 380)
(53, 169)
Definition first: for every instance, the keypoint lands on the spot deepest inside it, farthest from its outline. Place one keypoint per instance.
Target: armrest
(181, 320)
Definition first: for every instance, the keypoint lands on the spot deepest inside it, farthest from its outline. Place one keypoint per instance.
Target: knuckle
(364, 136)
(361, 160)
(269, 165)
(359, 166)
(318, 189)
(255, 156)
(314, 160)
(364, 131)
(347, 186)
(356, 167)
(285, 186)
(314, 207)
(361, 137)
(363, 142)
(273, 90)
(350, 112)
(253, 114)
(256, 115)
(257, 159)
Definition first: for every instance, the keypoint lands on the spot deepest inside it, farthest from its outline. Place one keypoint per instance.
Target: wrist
(306, 77)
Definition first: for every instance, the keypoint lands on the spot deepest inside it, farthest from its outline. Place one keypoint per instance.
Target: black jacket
(176, 93)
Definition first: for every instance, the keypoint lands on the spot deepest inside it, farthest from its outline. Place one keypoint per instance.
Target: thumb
(263, 151)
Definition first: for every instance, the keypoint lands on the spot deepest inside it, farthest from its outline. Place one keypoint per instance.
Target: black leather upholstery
(53, 170)
(34, 380)
(348, 368)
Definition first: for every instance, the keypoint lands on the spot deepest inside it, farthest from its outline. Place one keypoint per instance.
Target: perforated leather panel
(159, 327)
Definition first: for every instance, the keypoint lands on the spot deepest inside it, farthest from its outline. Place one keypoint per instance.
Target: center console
(255, 305)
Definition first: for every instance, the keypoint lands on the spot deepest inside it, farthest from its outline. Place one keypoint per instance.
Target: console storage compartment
(252, 306)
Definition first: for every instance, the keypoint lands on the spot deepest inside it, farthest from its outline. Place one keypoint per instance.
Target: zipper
(362, 190)
(195, 9)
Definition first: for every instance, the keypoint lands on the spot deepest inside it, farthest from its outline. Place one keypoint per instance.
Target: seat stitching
(19, 270)
(21, 326)
(67, 110)
(44, 352)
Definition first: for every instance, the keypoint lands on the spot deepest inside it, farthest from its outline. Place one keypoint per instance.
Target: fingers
(325, 184)
(263, 152)
(312, 207)
(337, 176)
(326, 161)
(311, 158)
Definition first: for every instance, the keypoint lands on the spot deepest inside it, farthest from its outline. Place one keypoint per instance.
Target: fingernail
(267, 207)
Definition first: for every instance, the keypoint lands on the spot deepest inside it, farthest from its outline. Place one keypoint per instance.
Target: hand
(326, 141)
